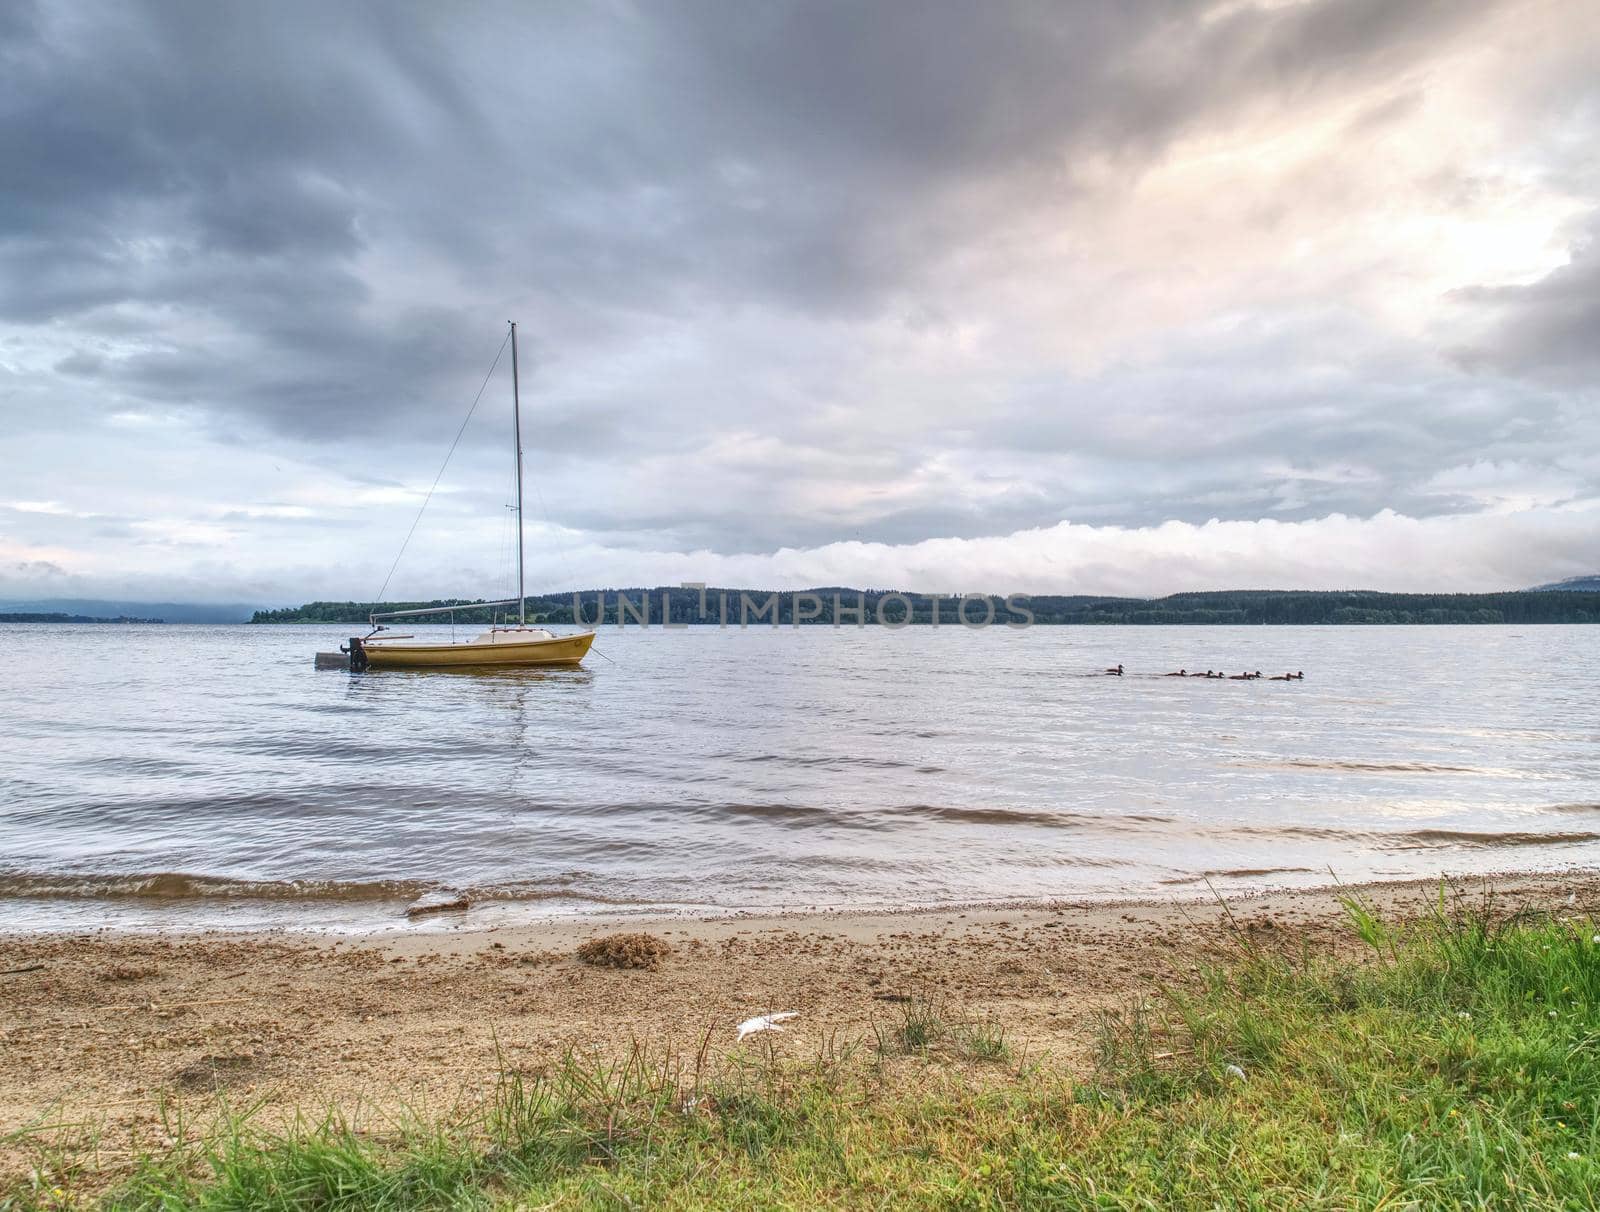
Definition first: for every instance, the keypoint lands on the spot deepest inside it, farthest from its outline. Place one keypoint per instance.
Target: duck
(1115, 670)
(1182, 673)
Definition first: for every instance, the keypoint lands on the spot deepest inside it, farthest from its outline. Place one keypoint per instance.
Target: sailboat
(500, 646)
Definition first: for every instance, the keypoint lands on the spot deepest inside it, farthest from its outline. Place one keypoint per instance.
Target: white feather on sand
(765, 1022)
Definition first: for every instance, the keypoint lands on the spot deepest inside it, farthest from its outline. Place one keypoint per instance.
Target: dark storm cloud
(308, 221)
(237, 160)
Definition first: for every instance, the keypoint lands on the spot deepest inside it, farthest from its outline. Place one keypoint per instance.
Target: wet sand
(101, 1029)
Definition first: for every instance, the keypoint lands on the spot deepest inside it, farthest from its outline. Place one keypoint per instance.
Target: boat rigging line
(378, 601)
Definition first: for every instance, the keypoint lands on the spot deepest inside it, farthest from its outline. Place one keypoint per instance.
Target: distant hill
(758, 608)
(99, 608)
(1589, 584)
(55, 617)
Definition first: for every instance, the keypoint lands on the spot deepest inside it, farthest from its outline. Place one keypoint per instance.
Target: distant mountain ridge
(847, 607)
(104, 608)
(56, 616)
(1588, 584)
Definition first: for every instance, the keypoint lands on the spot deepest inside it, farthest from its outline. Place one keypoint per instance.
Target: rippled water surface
(167, 775)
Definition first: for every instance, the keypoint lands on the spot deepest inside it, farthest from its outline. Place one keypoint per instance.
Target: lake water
(197, 776)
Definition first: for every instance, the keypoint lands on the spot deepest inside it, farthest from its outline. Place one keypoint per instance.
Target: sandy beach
(107, 1029)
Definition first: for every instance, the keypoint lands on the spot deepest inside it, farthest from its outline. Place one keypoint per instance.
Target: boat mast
(516, 426)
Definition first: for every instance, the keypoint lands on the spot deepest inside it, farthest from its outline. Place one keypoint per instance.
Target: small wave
(1416, 839)
(178, 885)
(544, 892)
(182, 886)
(1318, 833)
(135, 765)
(783, 813)
(1419, 839)
(962, 815)
(832, 762)
(1234, 873)
(958, 815)
(1366, 767)
(328, 750)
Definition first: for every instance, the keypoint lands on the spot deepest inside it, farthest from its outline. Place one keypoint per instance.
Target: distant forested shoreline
(52, 616)
(850, 607)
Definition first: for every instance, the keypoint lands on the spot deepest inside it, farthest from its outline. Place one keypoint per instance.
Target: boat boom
(406, 614)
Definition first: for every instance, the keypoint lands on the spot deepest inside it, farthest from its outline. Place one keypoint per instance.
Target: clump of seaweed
(633, 950)
(129, 972)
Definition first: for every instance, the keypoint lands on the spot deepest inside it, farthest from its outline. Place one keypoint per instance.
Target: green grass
(1457, 1067)
(923, 1030)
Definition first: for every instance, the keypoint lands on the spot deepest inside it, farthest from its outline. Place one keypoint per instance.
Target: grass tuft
(924, 1028)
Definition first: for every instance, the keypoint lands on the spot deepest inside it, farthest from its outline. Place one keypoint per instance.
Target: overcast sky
(1101, 297)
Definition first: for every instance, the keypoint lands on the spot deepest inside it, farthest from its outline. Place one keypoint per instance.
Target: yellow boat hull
(503, 653)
